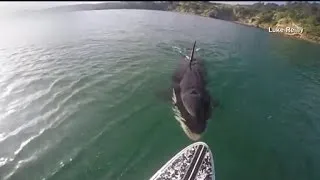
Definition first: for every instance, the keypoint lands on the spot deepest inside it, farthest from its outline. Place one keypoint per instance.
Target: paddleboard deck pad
(195, 162)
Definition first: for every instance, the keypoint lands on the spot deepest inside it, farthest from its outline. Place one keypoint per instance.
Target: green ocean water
(79, 97)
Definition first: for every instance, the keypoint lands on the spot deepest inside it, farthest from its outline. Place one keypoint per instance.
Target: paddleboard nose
(194, 162)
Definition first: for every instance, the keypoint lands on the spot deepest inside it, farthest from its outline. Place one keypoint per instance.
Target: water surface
(78, 97)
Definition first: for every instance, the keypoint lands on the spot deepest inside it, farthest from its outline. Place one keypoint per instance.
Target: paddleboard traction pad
(194, 162)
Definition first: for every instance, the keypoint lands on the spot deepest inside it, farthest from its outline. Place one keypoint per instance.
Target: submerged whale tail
(192, 53)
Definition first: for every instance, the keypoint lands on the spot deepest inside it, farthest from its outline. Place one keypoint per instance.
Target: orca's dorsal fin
(192, 53)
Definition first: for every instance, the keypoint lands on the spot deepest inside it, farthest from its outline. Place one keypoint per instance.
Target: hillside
(303, 17)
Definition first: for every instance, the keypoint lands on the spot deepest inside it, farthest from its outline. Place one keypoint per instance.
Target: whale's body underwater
(192, 104)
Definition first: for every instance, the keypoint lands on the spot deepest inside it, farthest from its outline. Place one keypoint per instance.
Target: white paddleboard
(194, 162)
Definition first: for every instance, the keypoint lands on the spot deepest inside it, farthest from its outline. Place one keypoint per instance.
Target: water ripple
(69, 89)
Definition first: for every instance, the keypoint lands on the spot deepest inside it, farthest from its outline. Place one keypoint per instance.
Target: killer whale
(192, 103)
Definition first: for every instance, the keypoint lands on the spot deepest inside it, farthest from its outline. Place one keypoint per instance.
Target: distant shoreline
(301, 37)
(302, 19)
(259, 14)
